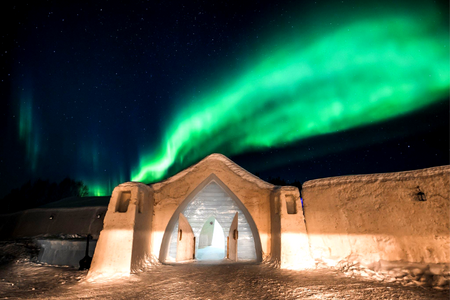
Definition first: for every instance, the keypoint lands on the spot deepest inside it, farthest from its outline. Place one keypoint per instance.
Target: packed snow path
(26, 280)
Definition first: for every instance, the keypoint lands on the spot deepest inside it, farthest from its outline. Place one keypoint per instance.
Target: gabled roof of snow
(244, 174)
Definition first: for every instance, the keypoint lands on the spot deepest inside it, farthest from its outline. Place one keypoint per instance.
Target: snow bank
(404, 273)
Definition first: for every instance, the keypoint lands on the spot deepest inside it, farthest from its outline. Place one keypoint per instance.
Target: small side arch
(173, 220)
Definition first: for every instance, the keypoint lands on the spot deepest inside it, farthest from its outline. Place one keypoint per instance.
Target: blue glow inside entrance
(211, 244)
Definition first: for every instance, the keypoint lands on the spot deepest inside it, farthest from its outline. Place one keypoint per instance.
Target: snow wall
(64, 252)
(124, 243)
(379, 217)
(53, 221)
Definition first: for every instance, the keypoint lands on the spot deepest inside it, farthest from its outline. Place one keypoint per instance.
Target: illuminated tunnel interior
(213, 205)
(212, 241)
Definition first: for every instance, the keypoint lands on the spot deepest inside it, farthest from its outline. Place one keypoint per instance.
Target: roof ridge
(234, 167)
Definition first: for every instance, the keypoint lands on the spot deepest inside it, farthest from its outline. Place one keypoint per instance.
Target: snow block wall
(379, 216)
(124, 243)
(289, 237)
(53, 221)
(64, 252)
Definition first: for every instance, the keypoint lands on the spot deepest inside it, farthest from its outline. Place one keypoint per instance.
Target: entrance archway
(212, 198)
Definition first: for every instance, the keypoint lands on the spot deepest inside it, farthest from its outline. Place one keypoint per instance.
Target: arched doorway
(211, 241)
(212, 198)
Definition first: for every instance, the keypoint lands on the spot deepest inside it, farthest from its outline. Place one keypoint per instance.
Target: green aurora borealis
(28, 130)
(107, 92)
(364, 72)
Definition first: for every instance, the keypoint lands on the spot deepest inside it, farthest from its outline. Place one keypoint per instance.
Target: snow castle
(217, 211)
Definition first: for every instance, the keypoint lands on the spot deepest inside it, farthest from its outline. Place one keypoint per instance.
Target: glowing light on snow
(365, 72)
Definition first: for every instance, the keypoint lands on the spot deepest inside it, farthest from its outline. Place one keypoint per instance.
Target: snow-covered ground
(210, 253)
(23, 278)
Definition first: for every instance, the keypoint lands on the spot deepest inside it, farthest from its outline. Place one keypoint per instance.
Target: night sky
(106, 92)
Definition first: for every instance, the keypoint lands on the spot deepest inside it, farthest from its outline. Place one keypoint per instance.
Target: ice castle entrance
(211, 225)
